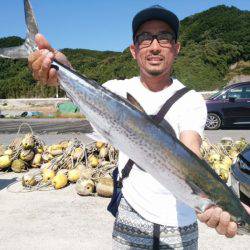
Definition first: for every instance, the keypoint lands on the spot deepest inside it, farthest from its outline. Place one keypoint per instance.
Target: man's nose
(155, 46)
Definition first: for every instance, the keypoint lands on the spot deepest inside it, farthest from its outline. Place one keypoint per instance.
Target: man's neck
(156, 84)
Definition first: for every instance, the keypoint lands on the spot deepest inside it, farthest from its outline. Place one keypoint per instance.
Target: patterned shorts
(131, 231)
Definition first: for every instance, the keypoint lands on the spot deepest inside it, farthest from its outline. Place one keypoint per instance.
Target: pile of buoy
(222, 155)
(89, 166)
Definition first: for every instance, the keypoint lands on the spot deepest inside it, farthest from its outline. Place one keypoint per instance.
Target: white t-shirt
(145, 194)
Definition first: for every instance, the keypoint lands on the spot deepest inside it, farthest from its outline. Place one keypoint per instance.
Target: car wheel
(213, 121)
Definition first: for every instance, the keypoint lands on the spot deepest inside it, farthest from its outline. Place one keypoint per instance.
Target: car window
(235, 92)
(213, 96)
(222, 97)
(247, 93)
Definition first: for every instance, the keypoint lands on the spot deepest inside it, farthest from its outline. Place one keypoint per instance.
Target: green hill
(211, 41)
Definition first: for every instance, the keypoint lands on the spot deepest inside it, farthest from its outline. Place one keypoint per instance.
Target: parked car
(240, 176)
(229, 107)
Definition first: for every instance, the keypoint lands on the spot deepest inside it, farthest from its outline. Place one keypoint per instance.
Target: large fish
(150, 146)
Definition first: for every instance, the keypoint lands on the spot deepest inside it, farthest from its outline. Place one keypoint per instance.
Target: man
(145, 202)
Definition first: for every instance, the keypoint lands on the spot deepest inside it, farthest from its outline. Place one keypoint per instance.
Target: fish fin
(135, 103)
(164, 124)
(204, 203)
(196, 189)
(29, 45)
(14, 52)
(30, 20)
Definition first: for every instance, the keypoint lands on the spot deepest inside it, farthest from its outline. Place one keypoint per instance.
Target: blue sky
(93, 24)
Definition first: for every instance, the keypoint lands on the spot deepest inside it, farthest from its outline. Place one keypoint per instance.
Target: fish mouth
(243, 228)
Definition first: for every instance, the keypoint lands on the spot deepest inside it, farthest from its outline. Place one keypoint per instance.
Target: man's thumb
(42, 43)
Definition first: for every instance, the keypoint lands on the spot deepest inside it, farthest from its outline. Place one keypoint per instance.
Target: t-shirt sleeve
(194, 115)
(116, 86)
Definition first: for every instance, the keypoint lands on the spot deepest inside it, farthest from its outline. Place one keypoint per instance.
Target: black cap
(156, 12)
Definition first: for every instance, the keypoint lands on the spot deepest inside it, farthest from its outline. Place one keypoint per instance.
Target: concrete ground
(64, 220)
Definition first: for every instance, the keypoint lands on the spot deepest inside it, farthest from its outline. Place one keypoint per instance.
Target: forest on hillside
(211, 41)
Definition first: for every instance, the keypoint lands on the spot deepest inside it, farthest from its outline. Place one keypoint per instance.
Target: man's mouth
(154, 59)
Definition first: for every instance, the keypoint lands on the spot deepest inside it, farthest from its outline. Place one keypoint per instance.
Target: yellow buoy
(28, 142)
(8, 152)
(105, 187)
(64, 144)
(78, 153)
(74, 175)
(99, 144)
(36, 162)
(5, 161)
(46, 156)
(60, 181)
(55, 149)
(93, 160)
(103, 152)
(27, 155)
(29, 180)
(48, 174)
(86, 173)
(18, 166)
(85, 187)
(213, 157)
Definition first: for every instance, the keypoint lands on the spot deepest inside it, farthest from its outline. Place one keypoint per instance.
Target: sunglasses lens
(164, 39)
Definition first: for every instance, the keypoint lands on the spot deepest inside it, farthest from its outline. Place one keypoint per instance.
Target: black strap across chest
(157, 119)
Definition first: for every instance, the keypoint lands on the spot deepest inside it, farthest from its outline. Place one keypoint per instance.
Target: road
(41, 126)
(79, 127)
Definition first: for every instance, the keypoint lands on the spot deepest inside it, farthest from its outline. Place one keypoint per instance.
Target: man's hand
(216, 218)
(40, 62)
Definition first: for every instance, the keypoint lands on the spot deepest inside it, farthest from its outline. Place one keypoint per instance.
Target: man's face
(155, 60)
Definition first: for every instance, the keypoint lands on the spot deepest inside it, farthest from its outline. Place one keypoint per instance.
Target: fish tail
(29, 45)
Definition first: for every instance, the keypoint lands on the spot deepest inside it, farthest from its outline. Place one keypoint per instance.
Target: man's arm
(192, 140)
(214, 217)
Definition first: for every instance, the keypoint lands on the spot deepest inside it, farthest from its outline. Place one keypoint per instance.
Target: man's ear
(177, 48)
(133, 50)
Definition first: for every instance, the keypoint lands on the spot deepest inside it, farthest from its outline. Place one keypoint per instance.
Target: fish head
(243, 227)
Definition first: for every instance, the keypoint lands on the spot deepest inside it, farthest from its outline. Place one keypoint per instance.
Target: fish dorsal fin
(164, 124)
(135, 103)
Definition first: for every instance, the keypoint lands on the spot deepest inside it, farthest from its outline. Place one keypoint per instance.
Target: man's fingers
(42, 43)
(204, 217)
(231, 229)
(33, 57)
(44, 70)
(223, 224)
(36, 66)
(53, 80)
(215, 217)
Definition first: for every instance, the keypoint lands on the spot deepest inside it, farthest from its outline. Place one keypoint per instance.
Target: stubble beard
(154, 72)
